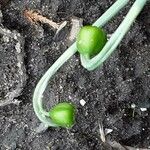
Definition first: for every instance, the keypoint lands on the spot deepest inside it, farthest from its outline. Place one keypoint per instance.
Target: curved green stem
(111, 45)
(86, 62)
(41, 86)
(110, 13)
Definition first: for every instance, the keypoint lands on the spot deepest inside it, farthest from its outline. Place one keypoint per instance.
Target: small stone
(77, 23)
(133, 106)
(107, 131)
(143, 109)
(82, 102)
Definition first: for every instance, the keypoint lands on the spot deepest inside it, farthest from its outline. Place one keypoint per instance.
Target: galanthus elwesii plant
(94, 49)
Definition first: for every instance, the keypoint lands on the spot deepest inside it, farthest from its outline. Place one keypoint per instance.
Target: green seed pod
(63, 114)
(91, 40)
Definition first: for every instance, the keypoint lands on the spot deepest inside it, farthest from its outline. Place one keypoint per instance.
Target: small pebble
(107, 131)
(133, 105)
(77, 23)
(82, 102)
(143, 109)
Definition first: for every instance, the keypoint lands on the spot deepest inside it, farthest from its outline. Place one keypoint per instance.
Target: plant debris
(34, 17)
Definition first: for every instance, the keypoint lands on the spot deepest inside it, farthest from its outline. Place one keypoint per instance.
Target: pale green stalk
(42, 84)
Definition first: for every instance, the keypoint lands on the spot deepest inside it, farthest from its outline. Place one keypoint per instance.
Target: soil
(117, 95)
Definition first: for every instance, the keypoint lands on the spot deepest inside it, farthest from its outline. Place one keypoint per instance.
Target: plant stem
(41, 86)
(110, 13)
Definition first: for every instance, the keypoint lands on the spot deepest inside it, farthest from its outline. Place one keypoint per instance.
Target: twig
(34, 17)
(101, 131)
(132, 148)
(116, 145)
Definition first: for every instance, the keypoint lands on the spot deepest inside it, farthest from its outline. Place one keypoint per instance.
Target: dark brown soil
(109, 91)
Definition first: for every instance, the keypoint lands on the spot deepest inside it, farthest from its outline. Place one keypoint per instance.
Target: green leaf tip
(91, 40)
(63, 114)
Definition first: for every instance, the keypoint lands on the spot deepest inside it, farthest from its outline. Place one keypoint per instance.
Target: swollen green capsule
(91, 40)
(63, 114)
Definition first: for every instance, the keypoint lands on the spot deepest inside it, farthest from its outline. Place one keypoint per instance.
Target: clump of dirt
(117, 95)
(12, 75)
